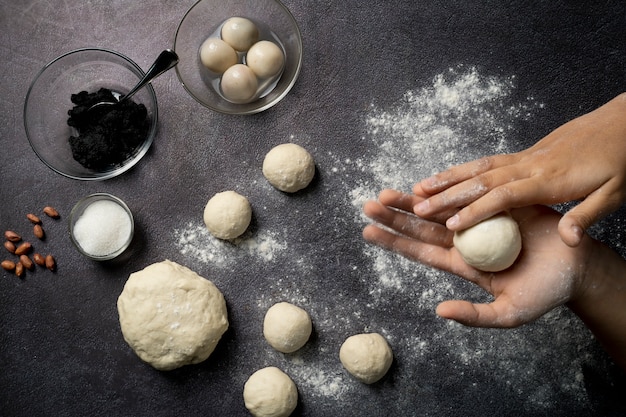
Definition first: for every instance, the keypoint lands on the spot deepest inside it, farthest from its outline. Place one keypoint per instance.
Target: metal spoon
(166, 60)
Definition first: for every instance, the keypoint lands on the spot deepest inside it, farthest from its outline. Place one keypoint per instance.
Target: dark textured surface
(61, 350)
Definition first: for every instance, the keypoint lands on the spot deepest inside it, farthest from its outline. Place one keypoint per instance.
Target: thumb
(597, 205)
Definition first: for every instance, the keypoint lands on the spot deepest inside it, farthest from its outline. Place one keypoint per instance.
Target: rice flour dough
(217, 55)
(171, 316)
(227, 215)
(366, 356)
(269, 392)
(240, 33)
(287, 327)
(289, 167)
(265, 59)
(491, 245)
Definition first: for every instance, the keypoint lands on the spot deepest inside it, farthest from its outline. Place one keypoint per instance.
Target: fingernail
(422, 207)
(578, 233)
(429, 182)
(452, 221)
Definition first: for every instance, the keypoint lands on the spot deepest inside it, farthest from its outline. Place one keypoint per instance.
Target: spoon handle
(166, 60)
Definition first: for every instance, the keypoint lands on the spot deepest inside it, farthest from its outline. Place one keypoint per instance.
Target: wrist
(600, 299)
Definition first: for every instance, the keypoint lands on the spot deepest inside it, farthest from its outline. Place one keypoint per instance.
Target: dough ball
(269, 392)
(289, 167)
(227, 215)
(366, 356)
(239, 84)
(240, 33)
(217, 55)
(287, 327)
(266, 59)
(491, 245)
(171, 316)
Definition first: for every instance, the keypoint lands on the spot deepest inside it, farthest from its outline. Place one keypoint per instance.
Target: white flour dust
(194, 240)
(462, 116)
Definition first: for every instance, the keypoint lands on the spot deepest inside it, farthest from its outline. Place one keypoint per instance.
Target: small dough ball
(287, 327)
(240, 33)
(266, 59)
(289, 167)
(491, 245)
(217, 55)
(171, 316)
(366, 356)
(227, 215)
(269, 392)
(239, 84)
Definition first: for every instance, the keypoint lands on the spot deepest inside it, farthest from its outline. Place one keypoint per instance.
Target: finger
(593, 208)
(468, 191)
(406, 202)
(516, 194)
(399, 200)
(463, 172)
(434, 255)
(408, 224)
(498, 314)
(419, 191)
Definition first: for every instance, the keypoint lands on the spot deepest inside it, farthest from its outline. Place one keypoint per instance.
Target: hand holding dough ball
(240, 33)
(269, 392)
(239, 84)
(227, 215)
(491, 245)
(171, 316)
(265, 59)
(289, 167)
(366, 356)
(217, 55)
(287, 327)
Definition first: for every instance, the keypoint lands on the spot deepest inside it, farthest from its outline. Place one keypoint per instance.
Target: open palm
(547, 273)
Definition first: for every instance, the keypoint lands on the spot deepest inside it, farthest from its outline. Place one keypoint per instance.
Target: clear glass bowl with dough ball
(238, 25)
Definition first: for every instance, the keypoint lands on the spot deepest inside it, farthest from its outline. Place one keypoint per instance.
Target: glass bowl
(106, 231)
(49, 99)
(204, 19)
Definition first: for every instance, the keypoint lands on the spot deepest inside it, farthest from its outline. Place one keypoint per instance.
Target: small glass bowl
(79, 209)
(204, 18)
(48, 101)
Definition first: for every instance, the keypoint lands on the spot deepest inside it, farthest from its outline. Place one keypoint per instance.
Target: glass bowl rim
(72, 220)
(144, 147)
(278, 98)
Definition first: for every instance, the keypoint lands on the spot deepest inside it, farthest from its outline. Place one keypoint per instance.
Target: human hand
(583, 159)
(548, 273)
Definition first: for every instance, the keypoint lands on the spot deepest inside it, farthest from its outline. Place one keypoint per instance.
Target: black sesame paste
(107, 136)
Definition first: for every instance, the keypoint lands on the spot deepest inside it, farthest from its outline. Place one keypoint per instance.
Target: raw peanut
(33, 219)
(10, 246)
(39, 259)
(28, 264)
(38, 231)
(19, 269)
(23, 249)
(8, 265)
(50, 263)
(12, 236)
(51, 212)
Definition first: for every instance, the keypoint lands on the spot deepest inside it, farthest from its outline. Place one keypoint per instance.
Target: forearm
(602, 302)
